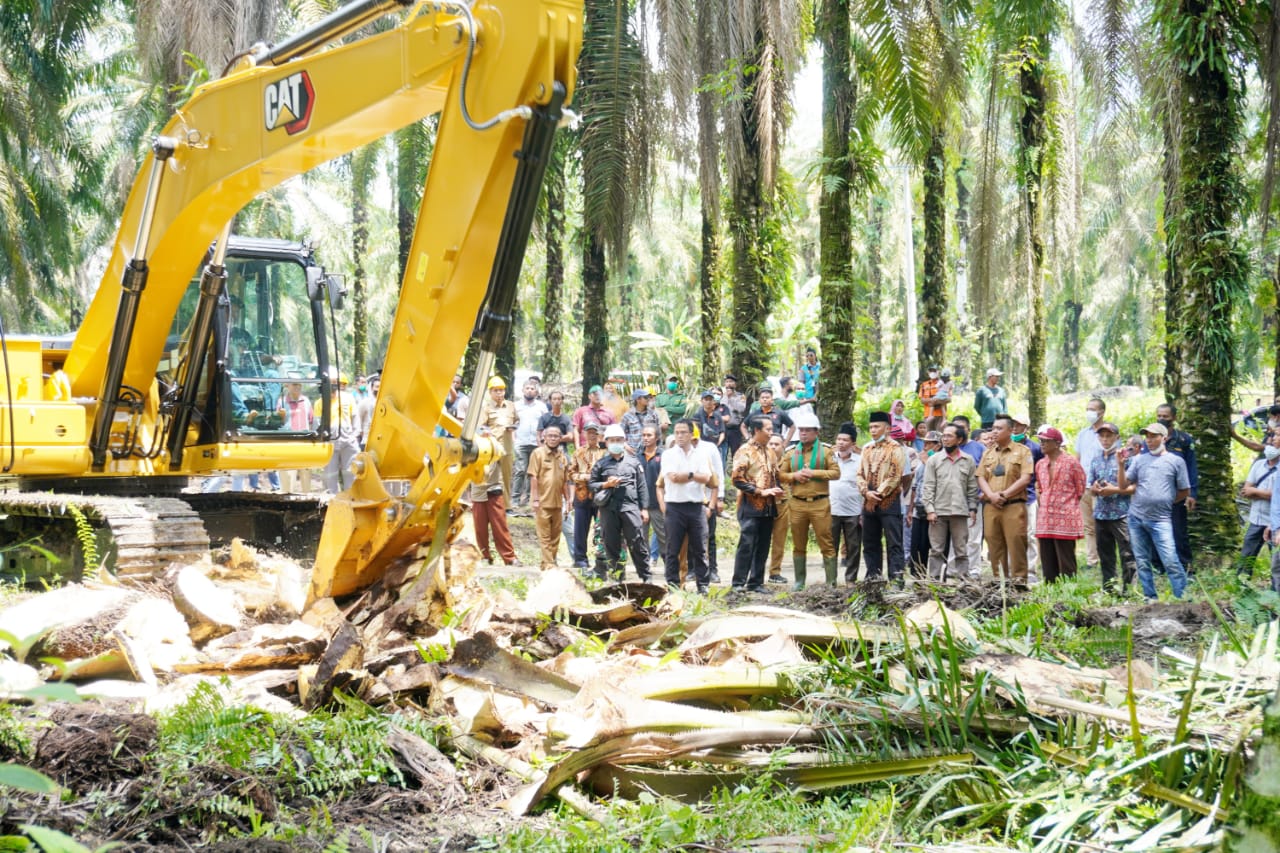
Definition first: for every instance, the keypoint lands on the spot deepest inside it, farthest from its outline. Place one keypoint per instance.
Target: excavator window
(262, 379)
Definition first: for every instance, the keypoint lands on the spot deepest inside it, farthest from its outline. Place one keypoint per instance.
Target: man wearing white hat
(809, 468)
(618, 488)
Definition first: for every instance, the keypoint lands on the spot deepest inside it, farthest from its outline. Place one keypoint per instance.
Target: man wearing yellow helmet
(499, 415)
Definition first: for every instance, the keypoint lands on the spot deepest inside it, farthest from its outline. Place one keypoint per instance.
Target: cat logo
(287, 103)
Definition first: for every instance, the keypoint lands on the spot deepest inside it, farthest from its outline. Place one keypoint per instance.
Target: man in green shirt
(672, 399)
(991, 400)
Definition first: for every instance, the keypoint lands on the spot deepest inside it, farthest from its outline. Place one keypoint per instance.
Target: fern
(88, 540)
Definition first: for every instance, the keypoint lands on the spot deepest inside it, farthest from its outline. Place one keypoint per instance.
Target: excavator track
(133, 536)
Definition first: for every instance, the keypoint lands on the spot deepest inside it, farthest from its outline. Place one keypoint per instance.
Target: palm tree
(364, 163)
(616, 154)
(836, 292)
(919, 68)
(1205, 40)
(763, 52)
(179, 38)
(554, 187)
(47, 169)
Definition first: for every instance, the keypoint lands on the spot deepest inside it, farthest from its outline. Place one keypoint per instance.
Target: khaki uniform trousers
(781, 524)
(547, 521)
(1090, 532)
(1006, 532)
(815, 514)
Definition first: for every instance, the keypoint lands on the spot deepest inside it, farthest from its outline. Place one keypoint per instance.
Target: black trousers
(848, 528)
(754, 537)
(712, 566)
(1113, 536)
(887, 525)
(619, 527)
(687, 521)
(1181, 535)
(583, 513)
(919, 545)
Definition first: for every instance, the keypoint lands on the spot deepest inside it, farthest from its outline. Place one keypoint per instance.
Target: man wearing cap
(1059, 522)
(755, 476)
(735, 403)
(880, 482)
(950, 494)
(585, 457)
(684, 474)
(1156, 480)
(846, 501)
(346, 443)
(529, 411)
(499, 415)
(809, 468)
(780, 421)
(1003, 476)
(1110, 509)
(549, 492)
(624, 512)
(593, 412)
(671, 399)
(639, 416)
(712, 421)
(990, 400)
(1088, 446)
(916, 532)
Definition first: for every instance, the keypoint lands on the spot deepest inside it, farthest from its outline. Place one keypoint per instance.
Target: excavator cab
(265, 375)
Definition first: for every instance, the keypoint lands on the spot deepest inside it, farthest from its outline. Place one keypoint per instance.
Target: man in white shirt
(682, 482)
(846, 501)
(529, 411)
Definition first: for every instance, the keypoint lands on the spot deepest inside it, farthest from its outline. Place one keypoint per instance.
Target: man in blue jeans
(1157, 480)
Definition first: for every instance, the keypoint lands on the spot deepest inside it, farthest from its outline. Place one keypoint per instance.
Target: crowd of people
(643, 479)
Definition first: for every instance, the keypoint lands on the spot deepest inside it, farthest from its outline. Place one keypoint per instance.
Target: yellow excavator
(171, 377)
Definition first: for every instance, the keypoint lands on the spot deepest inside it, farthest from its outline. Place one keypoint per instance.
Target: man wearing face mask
(623, 515)
(1183, 446)
(1158, 481)
(672, 399)
(1259, 486)
(1088, 446)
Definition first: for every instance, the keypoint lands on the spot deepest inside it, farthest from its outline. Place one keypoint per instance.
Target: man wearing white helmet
(618, 487)
(809, 468)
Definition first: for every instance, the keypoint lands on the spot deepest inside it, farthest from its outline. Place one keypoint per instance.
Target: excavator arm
(499, 73)
(284, 111)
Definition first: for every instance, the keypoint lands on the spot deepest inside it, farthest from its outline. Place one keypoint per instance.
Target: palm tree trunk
(363, 162)
(553, 292)
(933, 293)
(1173, 295)
(1031, 143)
(963, 196)
(835, 293)
(413, 152)
(595, 316)
(709, 184)
(749, 348)
(1215, 269)
(875, 293)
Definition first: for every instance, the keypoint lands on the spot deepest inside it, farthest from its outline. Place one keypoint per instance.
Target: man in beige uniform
(782, 522)
(499, 415)
(548, 492)
(1003, 475)
(809, 469)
